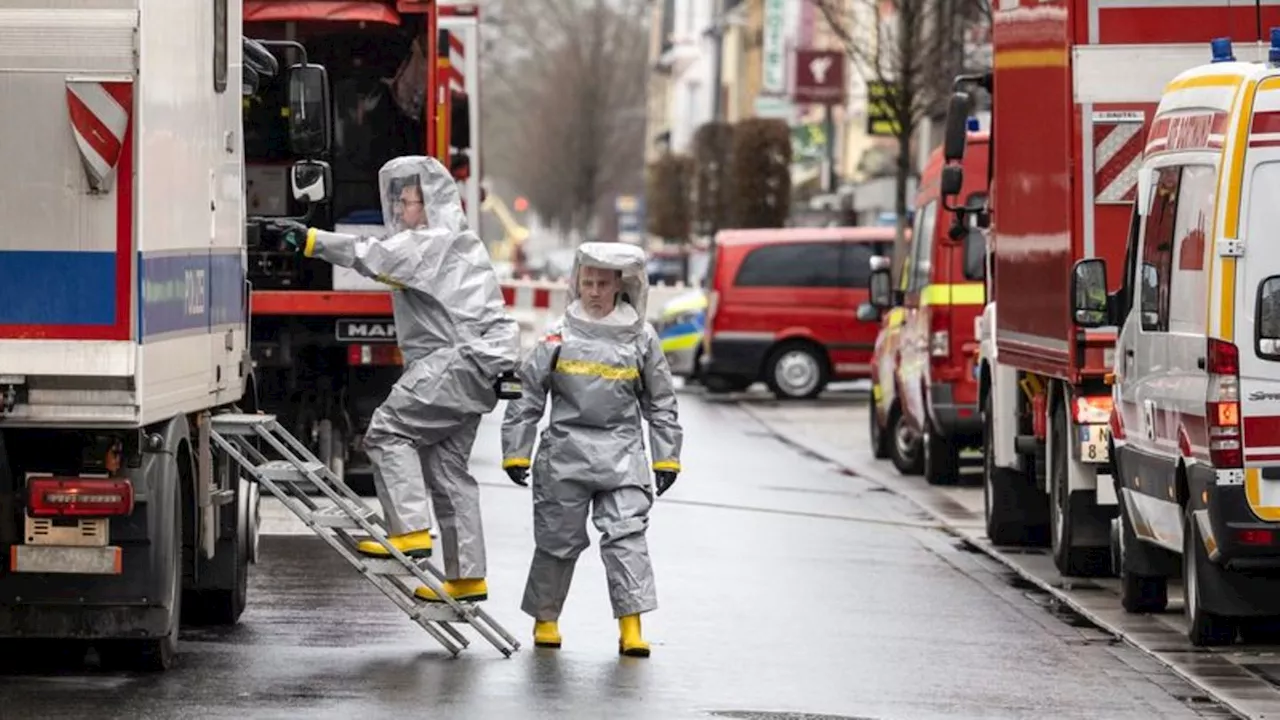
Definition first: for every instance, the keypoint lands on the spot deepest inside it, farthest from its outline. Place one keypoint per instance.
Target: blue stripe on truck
(57, 288)
(189, 294)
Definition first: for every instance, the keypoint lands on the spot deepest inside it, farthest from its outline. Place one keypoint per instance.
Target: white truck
(124, 316)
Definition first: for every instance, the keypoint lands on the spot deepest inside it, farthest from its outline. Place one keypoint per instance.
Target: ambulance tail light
(1222, 405)
(380, 354)
(79, 497)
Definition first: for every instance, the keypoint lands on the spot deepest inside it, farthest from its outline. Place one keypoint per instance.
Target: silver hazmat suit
(456, 338)
(603, 377)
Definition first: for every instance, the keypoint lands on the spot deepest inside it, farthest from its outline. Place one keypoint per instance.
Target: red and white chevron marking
(1117, 154)
(99, 112)
(457, 70)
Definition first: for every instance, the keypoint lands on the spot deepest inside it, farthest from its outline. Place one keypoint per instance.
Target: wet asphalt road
(785, 586)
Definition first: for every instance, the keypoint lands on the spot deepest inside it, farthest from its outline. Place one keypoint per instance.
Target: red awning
(319, 10)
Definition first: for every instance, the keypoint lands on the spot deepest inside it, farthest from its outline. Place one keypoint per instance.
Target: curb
(989, 550)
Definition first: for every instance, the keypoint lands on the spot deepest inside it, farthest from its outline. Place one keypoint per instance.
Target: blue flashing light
(1222, 50)
(1273, 56)
(972, 125)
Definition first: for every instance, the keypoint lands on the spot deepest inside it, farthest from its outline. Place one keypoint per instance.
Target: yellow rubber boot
(465, 590)
(414, 544)
(546, 634)
(630, 643)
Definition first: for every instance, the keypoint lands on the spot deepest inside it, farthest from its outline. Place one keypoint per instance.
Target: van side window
(922, 250)
(814, 265)
(855, 270)
(1192, 223)
(1157, 251)
(219, 45)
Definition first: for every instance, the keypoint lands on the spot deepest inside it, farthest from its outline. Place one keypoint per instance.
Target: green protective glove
(292, 232)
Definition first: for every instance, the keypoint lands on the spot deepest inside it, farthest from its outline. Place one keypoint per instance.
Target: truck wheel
(879, 439)
(796, 371)
(155, 654)
(1138, 593)
(941, 458)
(904, 447)
(1204, 628)
(1069, 559)
(1007, 496)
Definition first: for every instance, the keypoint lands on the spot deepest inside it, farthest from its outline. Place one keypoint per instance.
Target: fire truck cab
(1196, 383)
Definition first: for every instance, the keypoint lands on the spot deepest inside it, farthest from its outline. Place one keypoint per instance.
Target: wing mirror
(309, 104)
(1089, 293)
(311, 181)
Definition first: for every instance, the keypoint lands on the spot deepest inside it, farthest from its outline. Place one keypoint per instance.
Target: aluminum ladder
(290, 479)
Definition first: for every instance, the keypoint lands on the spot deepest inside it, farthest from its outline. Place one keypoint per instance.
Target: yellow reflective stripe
(670, 465)
(897, 316)
(515, 462)
(1204, 81)
(692, 304)
(953, 294)
(1231, 225)
(597, 369)
(310, 249)
(1028, 59)
(687, 341)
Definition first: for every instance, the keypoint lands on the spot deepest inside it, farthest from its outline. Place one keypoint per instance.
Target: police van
(1196, 381)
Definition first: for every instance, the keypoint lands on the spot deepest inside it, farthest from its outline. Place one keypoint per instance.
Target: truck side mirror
(460, 121)
(1089, 293)
(309, 106)
(952, 180)
(881, 289)
(311, 181)
(957, 130)
(1267, 332)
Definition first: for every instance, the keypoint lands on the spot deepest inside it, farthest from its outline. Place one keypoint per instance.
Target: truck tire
(225, 605)
(879, 438)
(1138, 593)
(1204, 628)
(155, 654)
(1063, 504)
(1013, 515)
(941, 458)
(904, 446)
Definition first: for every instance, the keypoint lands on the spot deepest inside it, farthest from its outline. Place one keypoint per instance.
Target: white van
(1196, 384)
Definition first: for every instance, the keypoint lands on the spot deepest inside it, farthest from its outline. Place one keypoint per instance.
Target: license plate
(1094, 443)
(66, 560)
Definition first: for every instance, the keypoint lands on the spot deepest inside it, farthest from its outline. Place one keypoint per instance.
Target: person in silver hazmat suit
(457, 341)
(604, 372)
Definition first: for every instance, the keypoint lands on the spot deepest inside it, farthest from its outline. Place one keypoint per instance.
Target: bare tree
(913, 49)
(564, 101)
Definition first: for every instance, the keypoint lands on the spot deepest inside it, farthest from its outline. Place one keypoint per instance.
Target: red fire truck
(402, 73)
(1078, 84)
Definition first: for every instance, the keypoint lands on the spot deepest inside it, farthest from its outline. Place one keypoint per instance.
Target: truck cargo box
(122, 292)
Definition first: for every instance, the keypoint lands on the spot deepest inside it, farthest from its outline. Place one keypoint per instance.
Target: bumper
(1231, 518)
(740, 358)
(956, 420)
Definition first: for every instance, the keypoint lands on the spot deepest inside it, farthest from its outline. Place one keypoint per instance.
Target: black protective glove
(664, 480)
(518, 475)
(291, 232)
(508, 386)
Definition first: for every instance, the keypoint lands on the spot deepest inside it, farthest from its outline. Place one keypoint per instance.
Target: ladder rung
(222, 497)
(438, 612)
(285, 471)
(389, 566)
(334, 516)
(239, 423)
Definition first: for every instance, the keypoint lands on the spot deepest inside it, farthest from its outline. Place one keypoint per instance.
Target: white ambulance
(1196, 384)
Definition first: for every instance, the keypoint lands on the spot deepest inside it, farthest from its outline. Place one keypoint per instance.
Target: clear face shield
(606, 274)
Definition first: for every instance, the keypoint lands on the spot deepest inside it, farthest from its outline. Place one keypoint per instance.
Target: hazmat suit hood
(442, 201)
(627, 259)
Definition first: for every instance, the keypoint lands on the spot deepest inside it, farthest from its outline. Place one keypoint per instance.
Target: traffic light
(459, 120)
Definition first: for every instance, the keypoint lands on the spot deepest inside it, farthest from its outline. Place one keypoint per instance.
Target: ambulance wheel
(1204, 628)
(797, 371)
(904, 447)
(879, 438)
(1069, 558)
